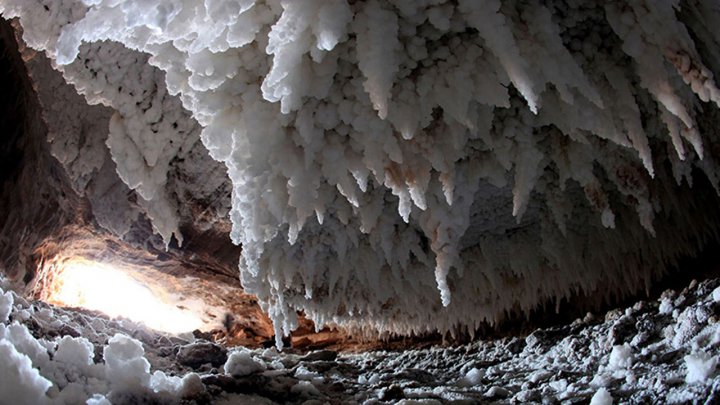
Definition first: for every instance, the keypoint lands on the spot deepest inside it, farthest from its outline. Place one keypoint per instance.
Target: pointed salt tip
(649, 167)
(533, 108)
(681, 156)
(404, 211)
(518, 211)
(699, 150)
(445, 295)
(608, 219)
(381, 109)
(293, 234)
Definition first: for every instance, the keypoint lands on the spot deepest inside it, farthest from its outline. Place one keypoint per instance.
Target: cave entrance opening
(123, 290)
(107, 288)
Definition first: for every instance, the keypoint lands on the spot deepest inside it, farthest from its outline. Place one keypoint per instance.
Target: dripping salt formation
(405, 166)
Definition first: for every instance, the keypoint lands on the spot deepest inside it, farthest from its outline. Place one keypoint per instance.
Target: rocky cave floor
(664, 350)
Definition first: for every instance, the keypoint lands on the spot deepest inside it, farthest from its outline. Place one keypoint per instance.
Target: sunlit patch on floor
(109, 289)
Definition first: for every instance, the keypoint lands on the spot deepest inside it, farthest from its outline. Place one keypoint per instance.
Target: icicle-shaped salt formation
(371, 142)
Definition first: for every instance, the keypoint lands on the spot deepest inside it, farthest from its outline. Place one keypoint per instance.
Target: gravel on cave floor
(664, 350)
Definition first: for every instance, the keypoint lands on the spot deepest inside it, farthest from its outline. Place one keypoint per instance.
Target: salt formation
(241, 363)
(568, 363)
(371, 142)
(63, 370)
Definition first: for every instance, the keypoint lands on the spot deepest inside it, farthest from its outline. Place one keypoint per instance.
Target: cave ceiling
(387, 166)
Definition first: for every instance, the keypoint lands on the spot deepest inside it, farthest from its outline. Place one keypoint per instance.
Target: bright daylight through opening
(105, 288)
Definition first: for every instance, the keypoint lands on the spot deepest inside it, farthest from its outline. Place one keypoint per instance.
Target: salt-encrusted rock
(497, 392)
(195, 355)
(241, 363)
(577, 367)
(320, 355)
(6, 303)
(392, 393)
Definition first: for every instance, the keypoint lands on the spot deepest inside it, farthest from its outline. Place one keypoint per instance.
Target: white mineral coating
(566, 363)
(6, 303)
(621, 357)
(20, 381)
(378, 149)
(700, 367)
(126, 366)
(601, 397)
(241, 363)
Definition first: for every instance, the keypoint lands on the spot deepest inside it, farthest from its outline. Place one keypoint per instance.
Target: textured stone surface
(669, 357)
(195, 355)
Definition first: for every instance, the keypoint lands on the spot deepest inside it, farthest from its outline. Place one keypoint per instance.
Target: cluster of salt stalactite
(370, 142)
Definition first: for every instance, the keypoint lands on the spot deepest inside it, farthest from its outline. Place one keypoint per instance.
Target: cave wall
(62, 200)
(36, 199)
(60, 178)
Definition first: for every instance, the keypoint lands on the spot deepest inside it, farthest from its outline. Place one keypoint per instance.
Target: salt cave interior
(359, 201)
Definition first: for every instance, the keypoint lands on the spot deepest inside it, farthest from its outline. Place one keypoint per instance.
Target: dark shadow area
(31, 181)
(12, 111)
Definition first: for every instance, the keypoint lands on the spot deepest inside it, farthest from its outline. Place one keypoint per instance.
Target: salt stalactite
(501, 144)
